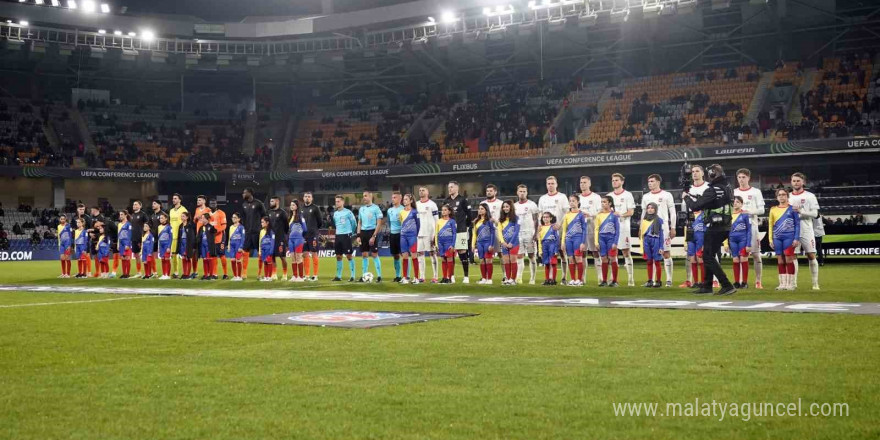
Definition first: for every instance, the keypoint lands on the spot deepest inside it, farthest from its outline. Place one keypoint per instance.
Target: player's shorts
(394, 244)
(424, 244)
(666, 244)
(624, 240)
(208, 251)
(409, 244)
(446, 248)
(605, 247)
(738, 246)
(126, 252)
(783, 246)
(591, 238)
(295, 246)
(342, 245)
(251, 241)
(527, 244)
(573, 246)
(695, 248)
(65, 248)
(652, 248)
(267, 258)
(461, 241)
(512, 251)
(365, 241)
(807, 244)
(165, 252)
(483, 250)
(548, 258)
(280, 249)
(104, 259)
(81, 252)
(309, 238)
(147, 258)
(136, 246)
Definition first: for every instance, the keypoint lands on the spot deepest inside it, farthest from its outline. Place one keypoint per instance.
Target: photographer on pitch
(717, 206)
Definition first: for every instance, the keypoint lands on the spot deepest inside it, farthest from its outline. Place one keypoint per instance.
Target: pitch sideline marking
(9, 306)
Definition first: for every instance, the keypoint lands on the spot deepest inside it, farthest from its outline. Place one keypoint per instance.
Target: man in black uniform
(252, 212)
(278, 223)
(138, 219)
(154, 229)
(312, 215)
(716, 204)
(461, 212)
(81, 213)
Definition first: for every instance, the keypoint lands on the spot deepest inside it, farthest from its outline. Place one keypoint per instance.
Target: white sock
(667, 264)
(598, 265)
(533, 267)
(422, 265)
(794, 278)
(520, 265)
(759, 267)
(629, 266)
(814, 271)
(434, 264)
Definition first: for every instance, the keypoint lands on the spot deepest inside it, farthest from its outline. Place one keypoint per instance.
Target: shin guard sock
(377, 264)
(416, 268)
(615, 267)
(814, 271)
(657, 271)
(315, 264)
(650, 270)
(744, 271)
(397, 267)
(338, 268)
(406, 268)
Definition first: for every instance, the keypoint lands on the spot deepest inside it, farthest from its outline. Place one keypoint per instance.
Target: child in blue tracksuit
(738, 243)
(147, 244)
(548, 247)
(653, 233)
(165, 238)
(607, 235)
(574, 232)
(508, 240)
(296, 242)
(409, 236)
(81, 248)
(234, 248)
(695, 249)
(267, 249)
(483, 238)
(65, 245)
(446, 230)
(104, 252)
(784, 229)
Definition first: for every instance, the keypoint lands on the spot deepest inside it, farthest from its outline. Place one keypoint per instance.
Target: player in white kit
(493, 201)
(428, 216)
(624, 207)
(591, 204)
(527, 217)
(665, 210)
(698, 187)
(555, 203)
(753, 205)
(806, 205)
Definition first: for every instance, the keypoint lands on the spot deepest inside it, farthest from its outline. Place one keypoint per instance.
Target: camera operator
(716, 204)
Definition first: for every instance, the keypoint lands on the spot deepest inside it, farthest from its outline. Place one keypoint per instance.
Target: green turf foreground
(77, 366)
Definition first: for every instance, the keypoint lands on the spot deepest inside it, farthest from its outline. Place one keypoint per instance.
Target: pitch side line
(74, 302)
(710, 303)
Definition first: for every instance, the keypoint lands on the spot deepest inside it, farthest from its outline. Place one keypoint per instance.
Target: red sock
(781, 268)
(736, 267)
(482, 270)
(206, 267)
(605, 270)
(315, 263)
(744, 271)
(547, 272)
(79, 267)
(244, 264)
(614, 268)
(790, 267)
(405, 267)
(650, 270)
(415, 266)
(126, 267)
(657, 270)
(490, 268)
(284, 266)
(186, 266)
(223, 261)
(514, 269)
(553, 271)
(572, 270)
(451, 264)
(580, 267)
(695, 273)
(63, 265)
(137, 262)
(115, 262)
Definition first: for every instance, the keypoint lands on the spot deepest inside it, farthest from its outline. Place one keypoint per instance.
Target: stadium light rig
(24, 23)
(89, 6)
(71, 4)
(448, 17)
(39, 2)
(147, 35)
(105, 8)
(56, 3)
(117, 33)
(499, 10)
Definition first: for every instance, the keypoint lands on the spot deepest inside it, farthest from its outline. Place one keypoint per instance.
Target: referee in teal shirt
(369, 225)
(345, 224)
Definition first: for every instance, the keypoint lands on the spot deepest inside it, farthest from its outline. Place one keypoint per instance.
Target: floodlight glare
(448, 17)
(119, 33)
(102, 31)
(105, 8)
(431, 20)
(71, 4)
(147, 35)
(132, 34)
(23, 22)
(487, 11)
(56, 3)
(39, 2)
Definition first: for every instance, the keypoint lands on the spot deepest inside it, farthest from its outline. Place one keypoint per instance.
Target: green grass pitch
(90, 366)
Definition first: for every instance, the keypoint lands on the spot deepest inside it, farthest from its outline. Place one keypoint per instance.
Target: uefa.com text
(744, 411)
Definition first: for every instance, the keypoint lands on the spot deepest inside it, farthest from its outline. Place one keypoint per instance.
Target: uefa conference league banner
(572, 161)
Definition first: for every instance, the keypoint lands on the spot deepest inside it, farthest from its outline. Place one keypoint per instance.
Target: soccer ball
(368, 277)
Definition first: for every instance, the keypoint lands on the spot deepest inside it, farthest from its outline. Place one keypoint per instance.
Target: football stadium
(456, 219)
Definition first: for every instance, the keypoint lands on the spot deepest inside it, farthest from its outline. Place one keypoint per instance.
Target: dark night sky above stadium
(233, 10)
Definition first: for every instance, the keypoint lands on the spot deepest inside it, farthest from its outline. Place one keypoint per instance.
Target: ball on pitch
(368, 277)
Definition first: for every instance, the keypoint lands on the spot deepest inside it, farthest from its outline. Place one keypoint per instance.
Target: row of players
(590, 225)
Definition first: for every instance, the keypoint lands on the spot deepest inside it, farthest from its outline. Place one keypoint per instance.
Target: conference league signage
(579, 160)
